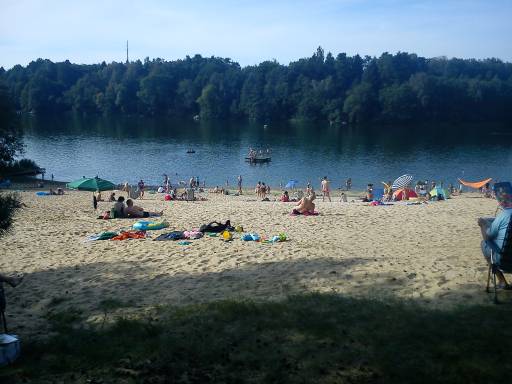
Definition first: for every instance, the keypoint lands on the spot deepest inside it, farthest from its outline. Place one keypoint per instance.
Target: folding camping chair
(505, 263)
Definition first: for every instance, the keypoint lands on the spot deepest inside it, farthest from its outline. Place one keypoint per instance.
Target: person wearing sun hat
(494, 231)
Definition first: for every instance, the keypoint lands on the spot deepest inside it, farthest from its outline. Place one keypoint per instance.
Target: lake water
(129, 148)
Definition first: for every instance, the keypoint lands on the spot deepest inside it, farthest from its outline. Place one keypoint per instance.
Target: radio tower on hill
(127, 60)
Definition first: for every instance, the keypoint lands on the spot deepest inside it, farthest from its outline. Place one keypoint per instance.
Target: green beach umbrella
(91, 184)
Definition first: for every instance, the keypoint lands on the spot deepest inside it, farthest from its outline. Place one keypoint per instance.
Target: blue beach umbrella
(291, 184)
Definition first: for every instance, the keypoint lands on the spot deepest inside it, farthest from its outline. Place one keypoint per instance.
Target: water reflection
(127, 148)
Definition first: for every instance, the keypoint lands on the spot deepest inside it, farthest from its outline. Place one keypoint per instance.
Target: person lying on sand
(305, 205)
(135, 211)
(12, 281)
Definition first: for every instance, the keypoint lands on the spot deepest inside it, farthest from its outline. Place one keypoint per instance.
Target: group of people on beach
(122, 210)
(262, 190)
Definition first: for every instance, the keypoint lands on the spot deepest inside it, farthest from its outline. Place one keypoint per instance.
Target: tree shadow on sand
(298, 337)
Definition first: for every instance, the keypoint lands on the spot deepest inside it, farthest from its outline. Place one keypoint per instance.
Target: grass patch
(304, 339)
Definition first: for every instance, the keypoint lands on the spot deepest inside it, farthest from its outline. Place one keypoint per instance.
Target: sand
(429, 253)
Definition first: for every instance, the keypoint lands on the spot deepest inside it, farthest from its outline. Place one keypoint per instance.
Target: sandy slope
(426, 252)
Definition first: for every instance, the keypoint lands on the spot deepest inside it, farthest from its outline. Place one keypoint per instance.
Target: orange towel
(130, 235)
(476, 184)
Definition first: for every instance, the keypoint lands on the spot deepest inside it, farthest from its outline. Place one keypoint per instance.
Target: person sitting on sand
(119, 208)
(263, 190)
(60, 191)
(388, 196)
(98, 195)
(305, 205)
(494, 231)
(343, 198)
(284, 197)
(486, 191)
(112, 197)
(135, 211)
(52, 192)
(369, 194)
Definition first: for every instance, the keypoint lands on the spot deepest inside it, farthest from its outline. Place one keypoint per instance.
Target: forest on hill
(399, 87)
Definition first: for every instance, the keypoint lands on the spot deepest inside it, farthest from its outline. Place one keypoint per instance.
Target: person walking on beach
(239, 180)
(126, 188)
(141, 189)
(348, 184)
(326, 189)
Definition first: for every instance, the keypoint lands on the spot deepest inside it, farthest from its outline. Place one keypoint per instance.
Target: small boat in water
(191, 151)
(255, 160)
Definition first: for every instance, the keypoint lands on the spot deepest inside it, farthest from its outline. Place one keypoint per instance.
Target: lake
(130, 148)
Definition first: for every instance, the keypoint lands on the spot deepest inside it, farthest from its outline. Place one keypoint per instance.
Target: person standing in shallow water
(326, 189)
(239, 180)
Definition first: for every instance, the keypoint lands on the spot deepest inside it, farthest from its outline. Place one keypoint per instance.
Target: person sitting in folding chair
(495, 232)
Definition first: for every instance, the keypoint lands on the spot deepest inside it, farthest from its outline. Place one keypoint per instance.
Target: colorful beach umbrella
(403, 181)
(292, 184)
(91, 184)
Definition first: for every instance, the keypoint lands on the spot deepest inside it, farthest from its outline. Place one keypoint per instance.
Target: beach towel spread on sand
(307, 213)
(102, 236)
(174, 235)
(194, 234)
(130, 235)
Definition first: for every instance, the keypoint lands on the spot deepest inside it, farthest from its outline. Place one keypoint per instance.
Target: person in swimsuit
(326, 189)
(305, 205)
(141, 189)
(135, 211)
(239, 180)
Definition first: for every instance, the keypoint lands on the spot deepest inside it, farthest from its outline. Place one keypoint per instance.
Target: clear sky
(249, 32)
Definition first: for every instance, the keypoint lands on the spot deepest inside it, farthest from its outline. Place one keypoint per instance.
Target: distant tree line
(394, 88)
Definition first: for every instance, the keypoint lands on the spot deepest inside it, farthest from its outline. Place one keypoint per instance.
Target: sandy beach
(429, 252)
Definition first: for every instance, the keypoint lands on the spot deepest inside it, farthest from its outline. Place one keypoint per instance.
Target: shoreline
(29, 184)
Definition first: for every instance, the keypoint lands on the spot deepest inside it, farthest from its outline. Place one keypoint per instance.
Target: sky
(249, 32)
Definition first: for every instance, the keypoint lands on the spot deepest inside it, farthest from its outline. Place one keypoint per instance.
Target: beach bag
(9, 348)
(215, 227)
